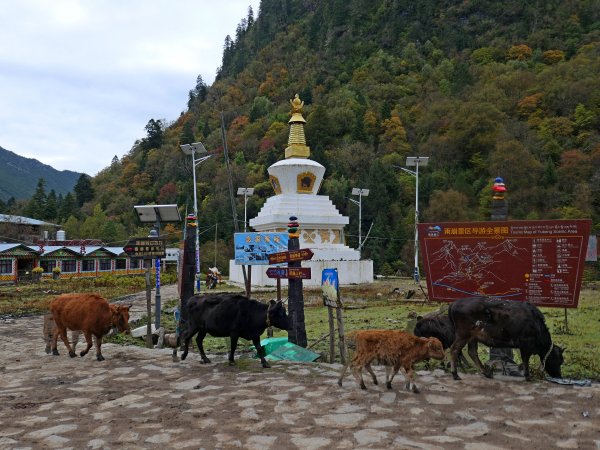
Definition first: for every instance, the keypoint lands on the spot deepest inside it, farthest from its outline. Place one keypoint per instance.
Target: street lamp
(361, 193)
(246, 192)
(191, 149)
(416, 161)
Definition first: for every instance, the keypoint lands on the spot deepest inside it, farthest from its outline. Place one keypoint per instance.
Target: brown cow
(395, 349)
(91, 314)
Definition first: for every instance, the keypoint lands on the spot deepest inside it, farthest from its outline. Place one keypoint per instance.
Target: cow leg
(369, 369)
(488, 372)
(525, 358)
(48, 333)
(62, 331)
(393, 370)
(462, 361)
(186, 338)
(54, 343)
(261, 352)
(89, 341)
(455, 350)
(199, 338)
(410, 380)
(357, 372)
(99, 356)
(343, 372)
(75, 338)
(234, 341)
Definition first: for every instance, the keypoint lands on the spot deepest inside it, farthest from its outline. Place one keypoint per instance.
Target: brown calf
(91, 314)
(395, 349)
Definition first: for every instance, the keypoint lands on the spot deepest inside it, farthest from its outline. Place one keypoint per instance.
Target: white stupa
(296, 181)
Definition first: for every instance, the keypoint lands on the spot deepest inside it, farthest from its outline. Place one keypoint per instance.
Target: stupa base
(349, 272)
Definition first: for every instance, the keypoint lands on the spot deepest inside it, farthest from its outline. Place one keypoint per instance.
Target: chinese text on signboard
(536, 261)
(145, 248)
(254, 248)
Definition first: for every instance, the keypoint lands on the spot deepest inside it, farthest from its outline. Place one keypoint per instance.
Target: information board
(539, 261)
(254, 248)
(145, 247)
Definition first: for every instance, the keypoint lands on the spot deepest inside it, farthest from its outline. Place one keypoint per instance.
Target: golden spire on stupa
(297, 147)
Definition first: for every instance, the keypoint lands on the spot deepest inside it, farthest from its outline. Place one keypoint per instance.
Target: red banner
(539, 261)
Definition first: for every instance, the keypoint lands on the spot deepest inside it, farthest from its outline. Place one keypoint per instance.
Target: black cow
(231, 315)
(437, 324)
(499, 323)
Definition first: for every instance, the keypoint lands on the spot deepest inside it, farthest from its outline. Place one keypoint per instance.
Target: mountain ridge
(19, 176)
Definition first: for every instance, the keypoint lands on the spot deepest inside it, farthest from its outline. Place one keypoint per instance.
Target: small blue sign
(255, 248)
(330, 286)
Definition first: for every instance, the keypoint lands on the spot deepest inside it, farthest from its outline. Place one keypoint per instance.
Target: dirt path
(140, 398)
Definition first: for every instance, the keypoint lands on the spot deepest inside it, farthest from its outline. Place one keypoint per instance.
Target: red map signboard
(539, 261)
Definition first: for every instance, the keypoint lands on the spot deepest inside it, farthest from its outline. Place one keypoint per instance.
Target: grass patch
(374, 306)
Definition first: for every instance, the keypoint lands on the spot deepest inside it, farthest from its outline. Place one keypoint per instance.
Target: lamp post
(155, 233)
(246, 192)
(191, 149)
(416, 161)
(361, 193)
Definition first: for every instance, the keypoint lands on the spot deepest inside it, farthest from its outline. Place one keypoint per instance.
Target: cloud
(80, 79)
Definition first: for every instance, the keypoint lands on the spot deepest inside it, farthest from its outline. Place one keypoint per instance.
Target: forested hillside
(484, 88)
(19, 177)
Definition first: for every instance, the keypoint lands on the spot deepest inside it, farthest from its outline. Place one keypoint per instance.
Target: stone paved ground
(139, 398)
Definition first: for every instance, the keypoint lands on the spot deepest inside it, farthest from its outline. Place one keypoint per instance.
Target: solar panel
(164, 213)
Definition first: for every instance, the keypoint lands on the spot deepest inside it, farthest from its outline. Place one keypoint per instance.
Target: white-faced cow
(230, 315)
(501, 323)
(91, 314)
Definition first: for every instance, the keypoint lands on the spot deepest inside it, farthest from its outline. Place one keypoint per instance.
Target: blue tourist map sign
(254, 248)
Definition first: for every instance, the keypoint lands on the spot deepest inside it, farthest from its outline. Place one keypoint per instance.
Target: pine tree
(83, 189)
(50, 211)
(68, 208)
(35, 208)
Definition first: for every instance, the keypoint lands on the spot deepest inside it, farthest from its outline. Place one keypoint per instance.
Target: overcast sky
(79, 80)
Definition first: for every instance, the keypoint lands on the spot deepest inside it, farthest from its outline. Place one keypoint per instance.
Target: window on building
(48, 265)
(105, 264)
(120, 264)
(134, 263)
(88, 265)
(6, 266)
(69, 265)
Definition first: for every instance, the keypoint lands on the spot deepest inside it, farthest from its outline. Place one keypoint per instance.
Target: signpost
(302, 273)
(153, 246)
(291, 256)
(539, 261)
(145, 247)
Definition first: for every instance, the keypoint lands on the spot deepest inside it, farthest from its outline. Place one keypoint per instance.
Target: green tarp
(279, 348)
